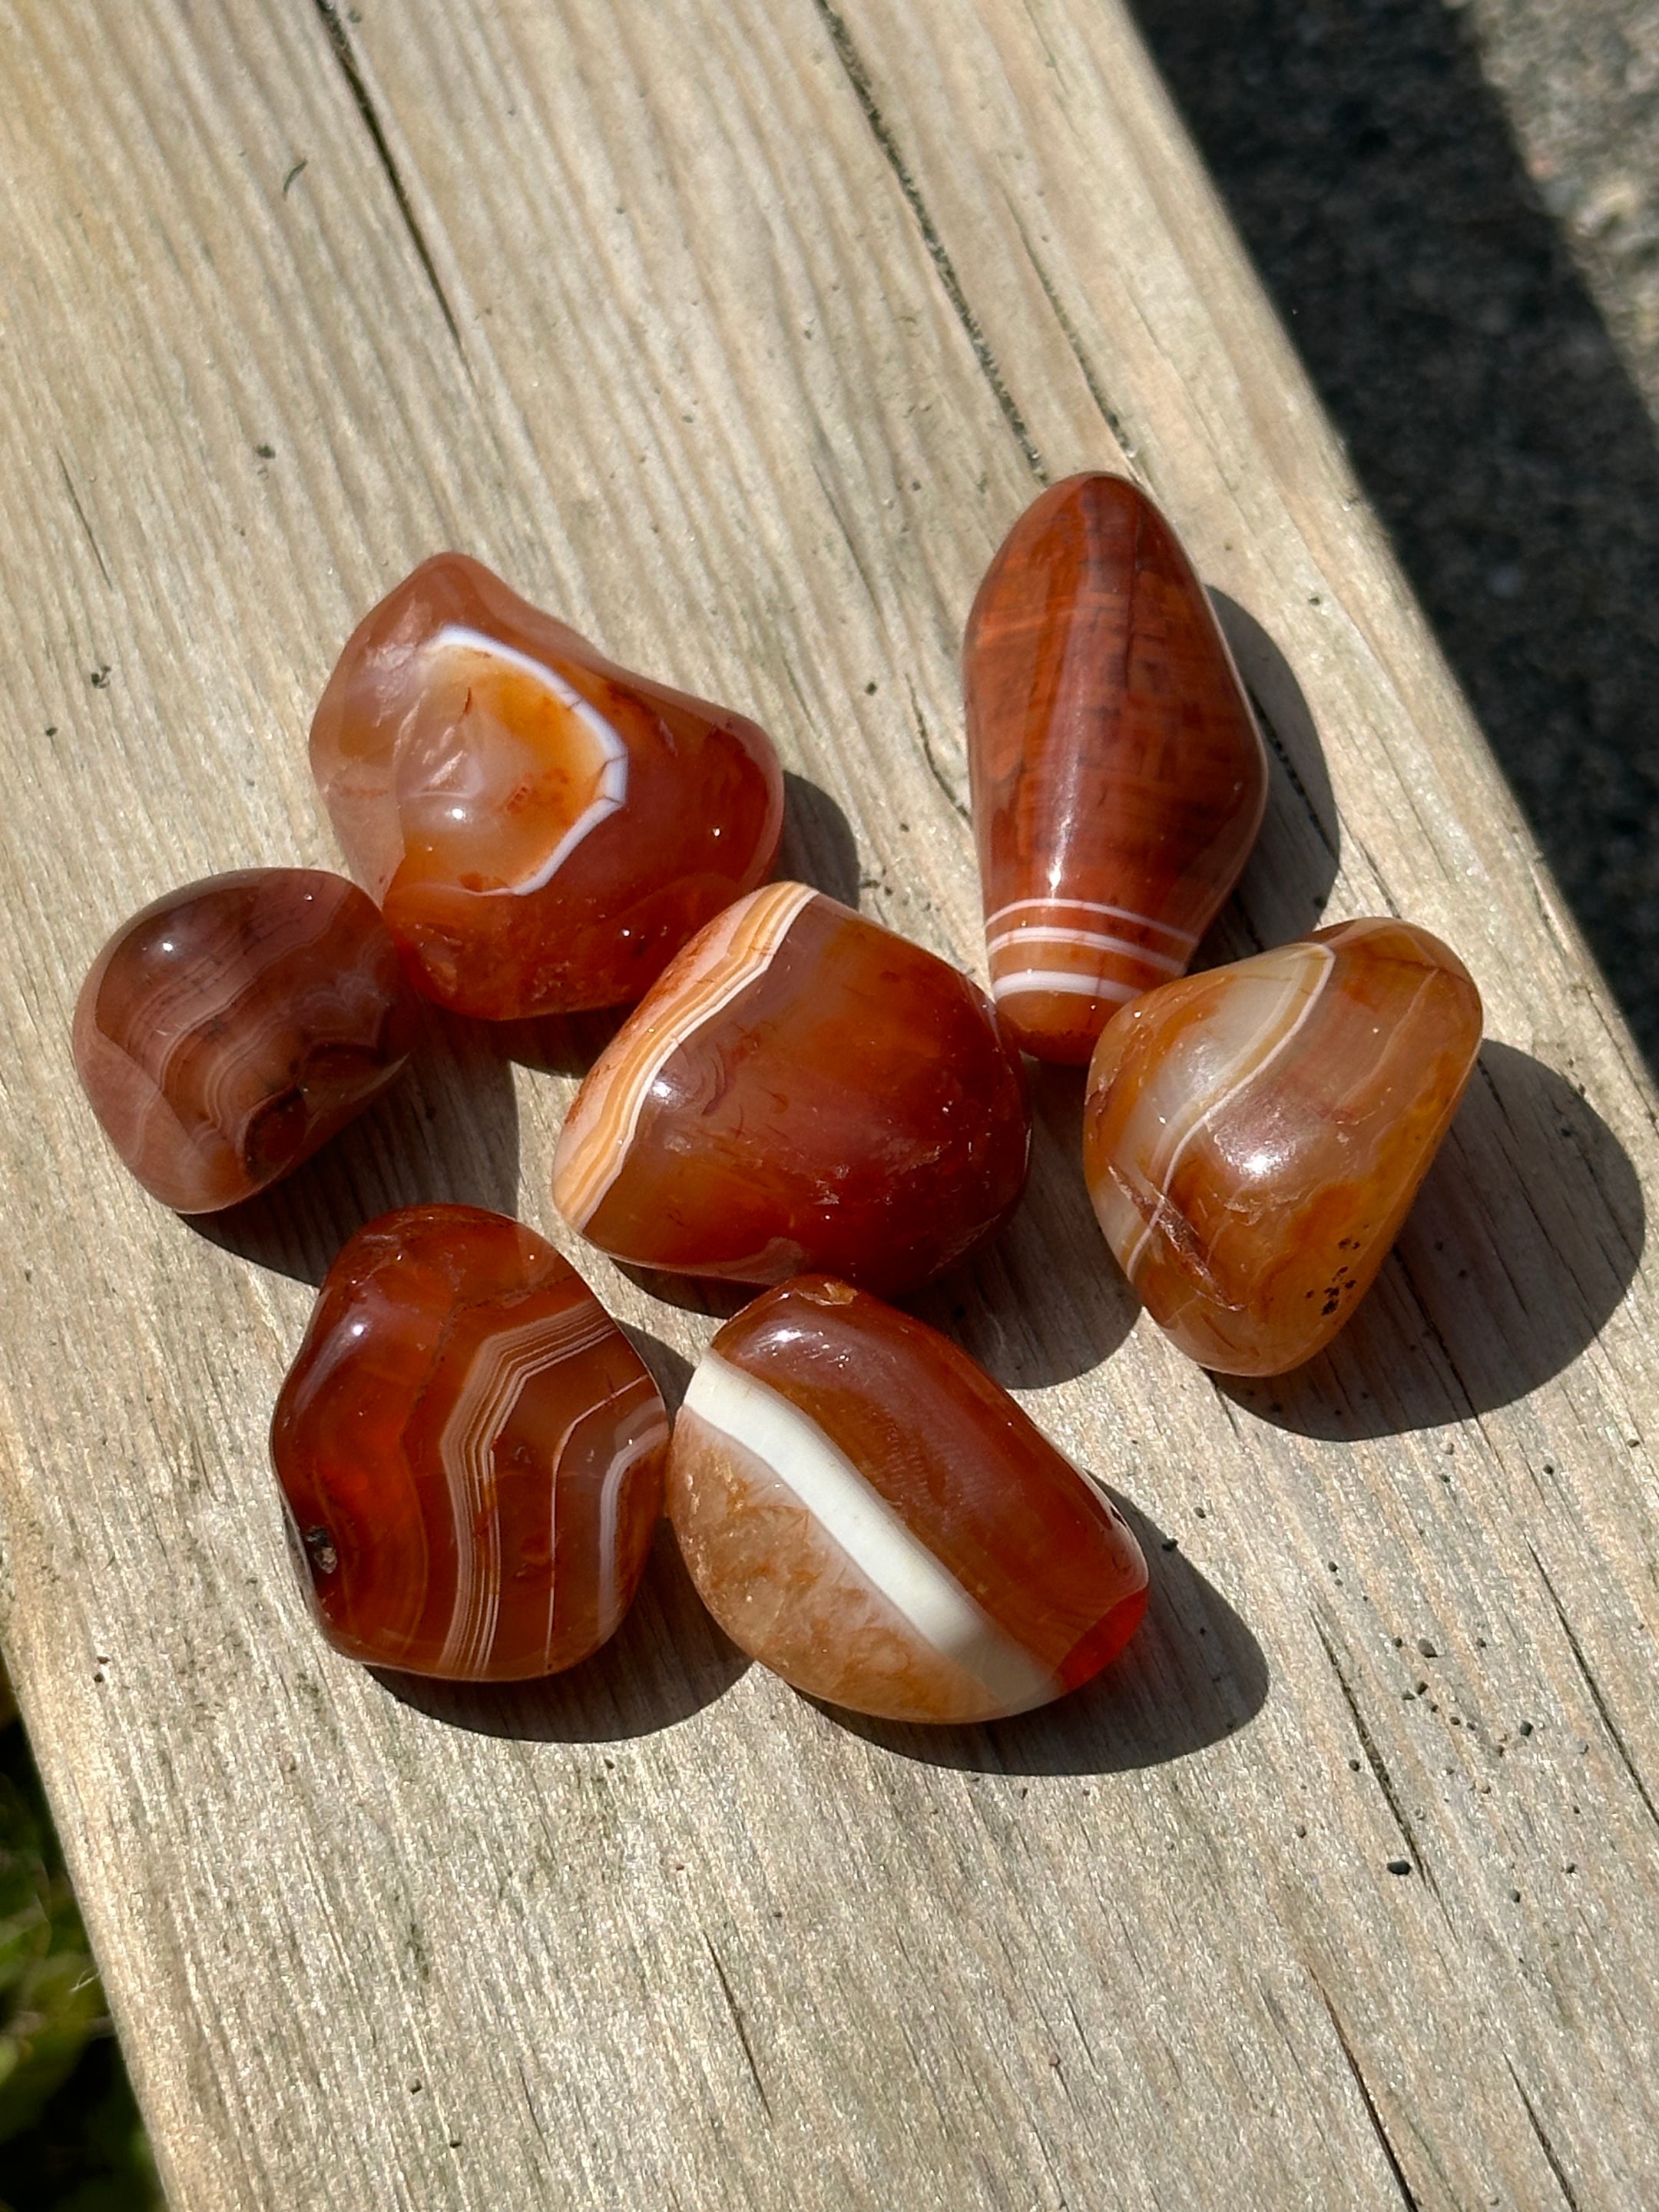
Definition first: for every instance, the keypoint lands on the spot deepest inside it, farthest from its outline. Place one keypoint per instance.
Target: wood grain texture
(737, 335)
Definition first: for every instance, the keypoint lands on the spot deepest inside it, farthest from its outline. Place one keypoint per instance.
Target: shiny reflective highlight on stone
(470, 1451)
(1118, 777)
(1254, 1137)
(230, 1029)
(863, 1509)
(543, 830)
(802, 1089)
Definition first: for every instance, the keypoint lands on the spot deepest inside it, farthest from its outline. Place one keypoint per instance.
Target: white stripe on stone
(457, 637)
(1025, 933)
(502, 1367)
(1304, 969)
(889, 1555)
(1066, 980)
(1090, 906)
(602, 1124)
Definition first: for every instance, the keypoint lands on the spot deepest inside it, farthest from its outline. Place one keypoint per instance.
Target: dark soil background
(1455, 209)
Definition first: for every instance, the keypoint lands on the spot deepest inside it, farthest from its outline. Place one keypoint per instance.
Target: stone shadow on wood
(667, 1661)
(1287, 880)
(1044, 1301)
(1193, 1676)
(447, 1131)
(1526, 1234)
(818, 845)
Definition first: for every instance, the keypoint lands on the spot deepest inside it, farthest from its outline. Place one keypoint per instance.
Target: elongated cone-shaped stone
(802, 1089)
(1253, 1137)
(542, 830)
(864, 1510)
(233, 1027)
(470, 1452)
(1118, 778)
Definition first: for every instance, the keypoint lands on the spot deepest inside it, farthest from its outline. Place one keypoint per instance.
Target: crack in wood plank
(1108, 413)
(934, 770)
(81, 517)
(858, 76)
(1407, 2195)
(736, 2011)
(1594, 1689)
(1568, 2197)
(339, 40)
(1378, 1766)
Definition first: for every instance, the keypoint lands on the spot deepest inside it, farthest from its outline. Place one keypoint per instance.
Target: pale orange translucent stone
(868, 1513)
(542, 829)
(1254, 1136)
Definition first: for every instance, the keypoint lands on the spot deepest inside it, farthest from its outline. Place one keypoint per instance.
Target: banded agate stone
(1253, 1137)
(542, 830)
(470, 1452)
(865, 1511)
(1118, 778)
(229, 1029)
(802, 1089)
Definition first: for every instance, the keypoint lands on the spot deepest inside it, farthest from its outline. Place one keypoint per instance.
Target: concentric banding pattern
(469, 1450)
(229, 1029)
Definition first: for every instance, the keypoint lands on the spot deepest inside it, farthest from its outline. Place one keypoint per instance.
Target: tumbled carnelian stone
(1254, 1136)
(802, 1089)
(864, 1510)
(470, 1452)
(1118, 777)
(231, 1028)
(542, 829)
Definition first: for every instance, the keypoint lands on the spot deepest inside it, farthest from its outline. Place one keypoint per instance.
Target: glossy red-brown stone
(865, 1512)
(1118, 777)
(1254, 1136)
(802, 1089)
(233, 1027)
(470, 1452)
(543, 830)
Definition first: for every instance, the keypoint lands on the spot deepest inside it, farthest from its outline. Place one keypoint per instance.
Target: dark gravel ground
(1456, 211)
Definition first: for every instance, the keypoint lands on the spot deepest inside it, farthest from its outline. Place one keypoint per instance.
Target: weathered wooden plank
(739, 334)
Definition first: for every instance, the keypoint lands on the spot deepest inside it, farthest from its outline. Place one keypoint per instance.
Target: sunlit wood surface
(737, 332)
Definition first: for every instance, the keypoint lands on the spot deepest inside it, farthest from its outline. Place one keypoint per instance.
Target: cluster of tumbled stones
(471, 1455)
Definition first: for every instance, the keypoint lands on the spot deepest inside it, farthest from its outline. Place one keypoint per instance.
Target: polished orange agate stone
(542, 830)
(229, 1029)
(1118, 778)
(865, 1511)
(470, 1452)
(1254, 1136)
(802, 1089)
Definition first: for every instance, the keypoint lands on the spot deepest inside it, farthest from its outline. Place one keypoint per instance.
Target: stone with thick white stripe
(470, 1452)
(866, 1512)
(543, 830)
